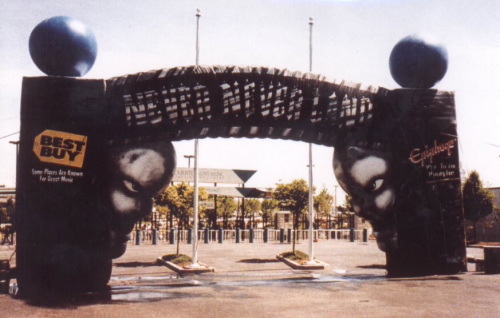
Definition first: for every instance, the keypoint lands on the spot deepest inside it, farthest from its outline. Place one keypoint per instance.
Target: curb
(186, 271)
(320, 265)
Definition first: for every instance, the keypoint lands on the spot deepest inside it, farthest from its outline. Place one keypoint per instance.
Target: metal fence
(208, 236)
(234, 236)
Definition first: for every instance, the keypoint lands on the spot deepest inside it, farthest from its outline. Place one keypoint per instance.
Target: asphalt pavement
(250, 282)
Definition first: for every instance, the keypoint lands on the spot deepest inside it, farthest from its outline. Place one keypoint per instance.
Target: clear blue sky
(352, 41)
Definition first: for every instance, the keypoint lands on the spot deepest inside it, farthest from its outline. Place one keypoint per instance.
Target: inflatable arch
(93, 152)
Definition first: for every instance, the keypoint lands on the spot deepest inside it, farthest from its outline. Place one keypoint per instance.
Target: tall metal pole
(311, 23)
(17, 146)
(196, 160)
(311, 199)
(335, 202)
(195, 204)
(198, 15)
(335, 198)
(189, 157)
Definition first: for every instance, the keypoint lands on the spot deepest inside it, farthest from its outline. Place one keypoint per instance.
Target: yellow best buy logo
(61, 148)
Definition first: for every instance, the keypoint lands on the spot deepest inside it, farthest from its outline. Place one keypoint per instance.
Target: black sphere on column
(418, 63)
(63, 46)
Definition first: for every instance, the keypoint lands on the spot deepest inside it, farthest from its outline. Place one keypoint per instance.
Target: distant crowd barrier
(237, 235)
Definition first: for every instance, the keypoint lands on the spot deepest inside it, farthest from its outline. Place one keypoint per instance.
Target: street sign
(206, 175)
(207, 204)
(237, 192)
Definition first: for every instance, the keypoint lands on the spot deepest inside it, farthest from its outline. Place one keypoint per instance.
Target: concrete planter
(314, 265)
(187, 270)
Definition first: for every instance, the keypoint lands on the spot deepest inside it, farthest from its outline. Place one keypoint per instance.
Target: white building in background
(283, 220)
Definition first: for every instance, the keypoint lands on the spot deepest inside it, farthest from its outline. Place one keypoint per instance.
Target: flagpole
(311, 199)
(311, 23)
(196, 161)
(198, 15)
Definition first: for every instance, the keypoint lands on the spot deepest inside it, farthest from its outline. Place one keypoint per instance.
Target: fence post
(282, 235)
(351, 234)
(221, 235)
(365, 235)
(289, 238)
(266, 235)
(171, 236)
(251, 235)
(154, 239)
(238, 235)
(138, 237)
(207, 235)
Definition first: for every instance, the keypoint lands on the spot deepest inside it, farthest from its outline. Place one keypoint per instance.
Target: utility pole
(311, 199)
(189, 157)
(196, 161)
(335, 201)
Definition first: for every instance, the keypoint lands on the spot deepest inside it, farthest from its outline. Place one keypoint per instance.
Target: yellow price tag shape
(60, 148)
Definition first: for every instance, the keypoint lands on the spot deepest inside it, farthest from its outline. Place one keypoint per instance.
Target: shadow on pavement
(425, 278)
(258, 260)
(373, 266)
(136, 264)
(70, 301)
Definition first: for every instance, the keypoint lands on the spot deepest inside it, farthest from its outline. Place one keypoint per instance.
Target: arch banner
(94, 152)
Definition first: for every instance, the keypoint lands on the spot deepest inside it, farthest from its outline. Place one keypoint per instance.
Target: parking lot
(249, 282)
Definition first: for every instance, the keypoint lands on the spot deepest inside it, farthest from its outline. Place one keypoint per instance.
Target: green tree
(348, 203)
(171, 199)
(162, 213)
(252, 206)
(345, 212)
(268, 207)
(294, 198)
(179, 201)
(225, 208)
(7, 211)
(4, 215)
(212, 214)
(323, 205)
(477, 201)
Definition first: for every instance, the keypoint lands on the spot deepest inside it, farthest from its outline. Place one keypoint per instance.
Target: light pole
(334, 202)
(196, 162)
(189, 157)
(17, 150)
(311, 199)
(17, 146)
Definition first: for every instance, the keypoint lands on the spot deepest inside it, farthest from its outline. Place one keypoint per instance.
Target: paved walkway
(250, 282)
